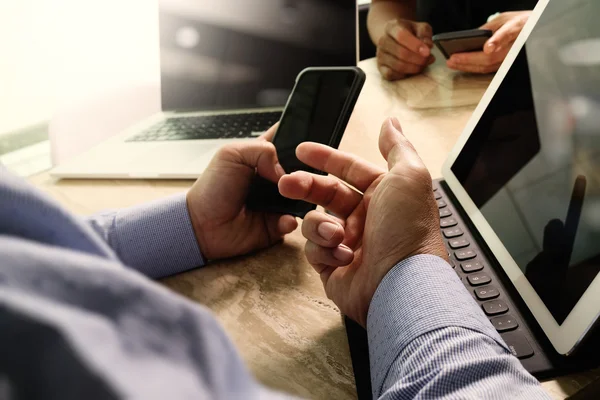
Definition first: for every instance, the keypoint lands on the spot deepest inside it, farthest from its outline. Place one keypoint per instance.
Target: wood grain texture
(271, 303)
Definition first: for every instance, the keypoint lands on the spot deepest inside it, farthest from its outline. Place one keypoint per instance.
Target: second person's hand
(506, 28)
(392, 216)
(404, 49)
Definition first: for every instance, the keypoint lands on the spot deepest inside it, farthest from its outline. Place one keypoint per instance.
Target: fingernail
(497, 49)
(279, 169)
(343, 253)
(424, 50)
(327, 230)
(491, 46)
(396, 124)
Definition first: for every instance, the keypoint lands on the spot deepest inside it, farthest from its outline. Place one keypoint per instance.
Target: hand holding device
(464, 51)
(318, 110)
(216, 202)
(391, 216)
(404, 49)
(504, 28)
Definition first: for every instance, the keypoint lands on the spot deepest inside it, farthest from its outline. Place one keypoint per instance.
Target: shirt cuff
(419, 295)
(157, 238)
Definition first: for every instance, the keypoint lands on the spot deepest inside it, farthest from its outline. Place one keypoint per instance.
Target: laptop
(227, 68)
(519, 202)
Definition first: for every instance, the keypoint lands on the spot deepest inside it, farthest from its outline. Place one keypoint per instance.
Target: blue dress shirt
(79, 320)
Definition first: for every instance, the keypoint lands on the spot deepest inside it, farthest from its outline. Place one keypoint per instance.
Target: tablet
(526, 169)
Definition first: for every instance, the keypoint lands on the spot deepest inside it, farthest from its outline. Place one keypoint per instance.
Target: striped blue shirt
(80, 319)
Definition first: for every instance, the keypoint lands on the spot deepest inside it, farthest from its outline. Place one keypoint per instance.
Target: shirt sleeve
(428, 338)
(156, 238)
(78, 326)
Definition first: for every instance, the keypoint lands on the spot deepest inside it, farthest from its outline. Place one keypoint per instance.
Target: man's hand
(223, 225)
(391, 216)
(506, 28)
(404, 49)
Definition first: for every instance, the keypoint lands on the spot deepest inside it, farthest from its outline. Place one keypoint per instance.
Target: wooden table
(272, 304)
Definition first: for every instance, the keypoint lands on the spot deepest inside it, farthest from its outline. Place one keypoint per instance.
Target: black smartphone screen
(312, 113)
(317, 111)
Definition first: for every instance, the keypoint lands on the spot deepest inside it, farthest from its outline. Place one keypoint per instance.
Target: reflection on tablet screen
(532, 164)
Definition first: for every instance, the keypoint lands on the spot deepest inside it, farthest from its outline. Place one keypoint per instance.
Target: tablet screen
(532, 164)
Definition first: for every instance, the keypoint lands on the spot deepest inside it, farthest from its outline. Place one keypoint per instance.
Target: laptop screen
(532, 164)
(233, 54)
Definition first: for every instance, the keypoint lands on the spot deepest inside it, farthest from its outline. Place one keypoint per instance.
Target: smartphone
(318, 111)
(461, 41)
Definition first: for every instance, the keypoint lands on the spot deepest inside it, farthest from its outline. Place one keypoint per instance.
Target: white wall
(57, 52)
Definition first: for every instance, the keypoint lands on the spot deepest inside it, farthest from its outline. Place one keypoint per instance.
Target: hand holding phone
(318, 110)
(477, 51)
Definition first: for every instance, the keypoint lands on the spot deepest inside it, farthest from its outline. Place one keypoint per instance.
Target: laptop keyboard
(479, 279)
(223, 126)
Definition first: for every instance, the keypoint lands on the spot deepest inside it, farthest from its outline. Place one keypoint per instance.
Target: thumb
(395, 148)
(254, 155)
(279, 225)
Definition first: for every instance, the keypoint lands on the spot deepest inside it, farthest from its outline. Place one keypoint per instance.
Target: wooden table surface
(272, 304)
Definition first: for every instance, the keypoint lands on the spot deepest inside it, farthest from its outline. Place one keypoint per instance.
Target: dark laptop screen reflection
(228, 54)
(532, 164)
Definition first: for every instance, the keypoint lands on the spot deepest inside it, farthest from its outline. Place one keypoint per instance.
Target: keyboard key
(471, 266)
(494, 307)
(487, 292)
(437, 195)
(448, 222)
(458, 243)
(518, 344)
(462, 255)
(445, 212)
(478, 279)
(504, 323)
(452, 233)
(441, 204)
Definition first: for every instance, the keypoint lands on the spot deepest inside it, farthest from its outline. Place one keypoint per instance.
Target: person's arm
(382, 260)
(210, 222)
(77, 325)
(383, 11)
(156, 238)
(429, 338)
